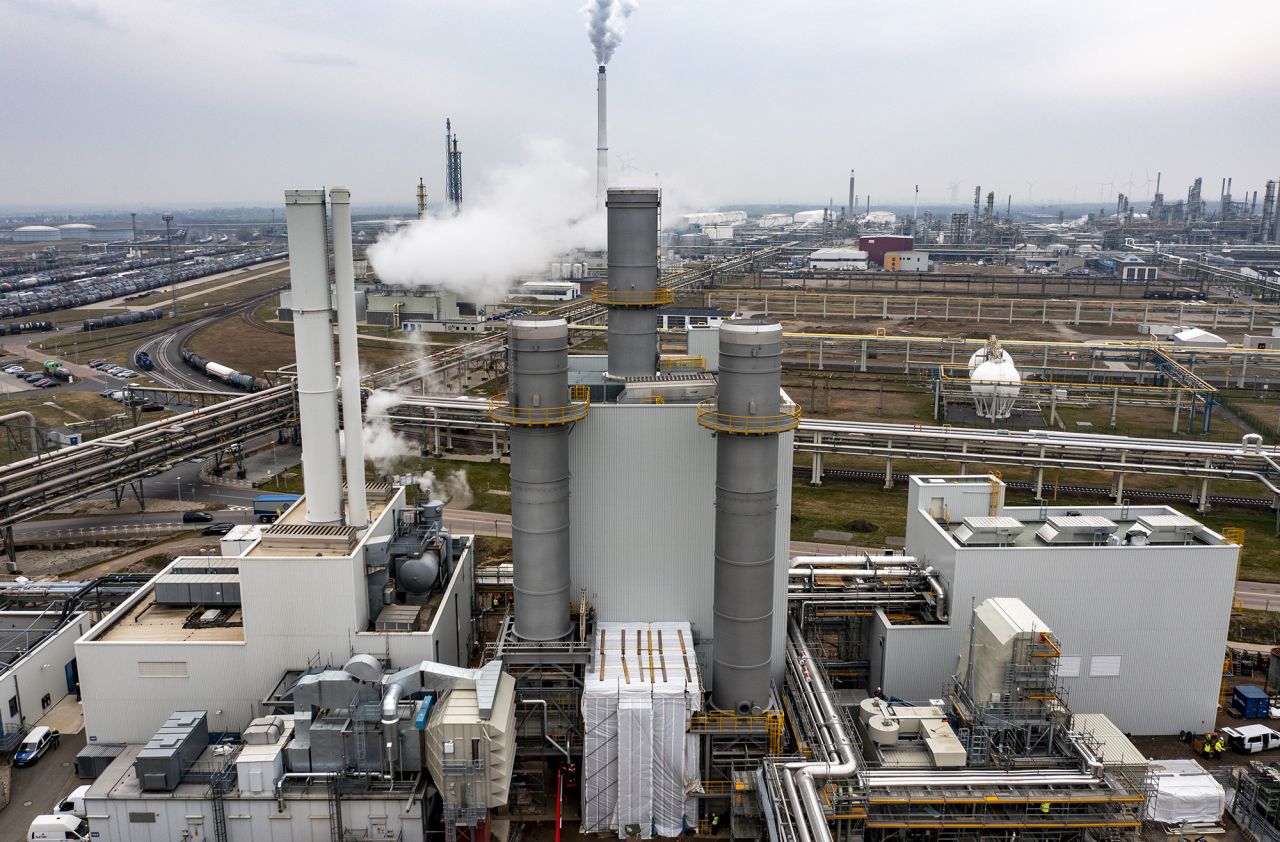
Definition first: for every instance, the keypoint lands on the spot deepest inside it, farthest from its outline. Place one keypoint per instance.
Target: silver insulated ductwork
(633, 294)
(539, 412)
(747, 417)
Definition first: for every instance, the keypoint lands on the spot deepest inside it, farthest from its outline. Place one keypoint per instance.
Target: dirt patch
(860, 525)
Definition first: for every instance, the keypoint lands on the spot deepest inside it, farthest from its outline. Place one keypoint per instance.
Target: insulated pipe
(633, 277)
(862, 558)
(941, 608)
(538, 349)
(344, 281)
(313, 343)
(807, 773)
(748, 398)
(31, 423)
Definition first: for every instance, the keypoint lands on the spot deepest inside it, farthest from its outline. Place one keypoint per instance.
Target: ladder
(336, 832)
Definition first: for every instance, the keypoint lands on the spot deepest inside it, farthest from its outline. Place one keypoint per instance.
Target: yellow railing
(710, 416)
(694, 363)
(580, 392)
(714, 721)
(631, 297)
(1233, 535)
(537, 416)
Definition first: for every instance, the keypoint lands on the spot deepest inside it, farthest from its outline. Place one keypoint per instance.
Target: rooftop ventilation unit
(1169, 529)
(981, 531)
(1076, 529)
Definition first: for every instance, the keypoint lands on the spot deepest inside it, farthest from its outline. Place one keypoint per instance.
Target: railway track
(1081, 490)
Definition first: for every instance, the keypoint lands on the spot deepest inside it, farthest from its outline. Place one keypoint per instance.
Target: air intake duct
(747, 416)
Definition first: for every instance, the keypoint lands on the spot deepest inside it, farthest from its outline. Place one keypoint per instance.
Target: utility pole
(168, 239)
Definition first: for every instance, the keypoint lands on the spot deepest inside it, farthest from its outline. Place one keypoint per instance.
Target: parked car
(62, 826)
(217, 529)
(45, 383)
(152, 407)
(94, 363)
(73, 802)
(116, 395)
(14, 369)
(196, 517)
(38, 741)
(106, 393)
(21, 372)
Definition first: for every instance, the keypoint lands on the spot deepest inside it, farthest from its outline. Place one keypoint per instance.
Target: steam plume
(606, 24)
(526, 215)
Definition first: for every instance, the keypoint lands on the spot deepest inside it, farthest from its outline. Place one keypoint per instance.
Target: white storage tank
(995, 385)
(36, 234)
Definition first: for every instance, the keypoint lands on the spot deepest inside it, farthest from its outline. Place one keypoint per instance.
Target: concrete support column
(495, 455)
(1203, 504)
(1115, 405)
(884, 308)
(1177, 410)
(1217, 309)
(1111, 314)
(888, 473)
(862, 363)
(1044, 313)
(946, 310)
(1077, 319)
(1039, 489)
(1053, 406)
(1244, 367)
(815, 473)
(1011, 312)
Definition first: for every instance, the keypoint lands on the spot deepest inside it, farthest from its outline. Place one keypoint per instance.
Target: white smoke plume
(523, 217)
(383, 446)
(606, 24)
(453, 489)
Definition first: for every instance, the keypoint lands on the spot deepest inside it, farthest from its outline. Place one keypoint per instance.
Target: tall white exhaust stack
(344, 281)
(313, 342)
(602, 143)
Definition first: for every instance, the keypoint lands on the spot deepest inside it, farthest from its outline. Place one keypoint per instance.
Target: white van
(1251, 739)
(62, 826)
(73, 803)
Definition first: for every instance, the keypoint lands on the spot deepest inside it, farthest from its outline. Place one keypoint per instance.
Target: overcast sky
(141, 103)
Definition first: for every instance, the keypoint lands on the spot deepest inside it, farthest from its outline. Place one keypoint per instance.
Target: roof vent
(987, 531)
(1076, 529)
(1169, 529)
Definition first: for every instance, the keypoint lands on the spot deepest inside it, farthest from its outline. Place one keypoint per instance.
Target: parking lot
(37, 787)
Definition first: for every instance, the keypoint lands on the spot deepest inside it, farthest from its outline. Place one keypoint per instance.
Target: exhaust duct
(313, 343)
(633, 294)
(747, 417)
(344, 283)
(539, 412)
(602, 142)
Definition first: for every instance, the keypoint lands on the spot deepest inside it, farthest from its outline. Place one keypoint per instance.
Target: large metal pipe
(313, 343)
(344, 290)
(633, 282)
(538, 348)
(749, 401)
(602, 142)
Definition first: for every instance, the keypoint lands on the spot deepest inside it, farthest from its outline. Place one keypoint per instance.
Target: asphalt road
(1263, 596)
(37, 787)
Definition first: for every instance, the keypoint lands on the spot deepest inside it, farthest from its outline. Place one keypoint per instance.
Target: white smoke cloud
(520, 219)
(606, 24)
(454, 489)
(383, 446)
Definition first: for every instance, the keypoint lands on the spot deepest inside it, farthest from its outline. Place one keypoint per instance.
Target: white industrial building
(1199, 338)
(837, 258)
(906, 261)
(1140, 597)
(549, 290)
(39, 659)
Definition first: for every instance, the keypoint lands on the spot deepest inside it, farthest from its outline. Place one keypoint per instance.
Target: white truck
(72, 803)
(62, 826)
(1251, 739)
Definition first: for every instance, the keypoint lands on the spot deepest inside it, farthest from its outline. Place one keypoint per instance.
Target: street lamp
(168, 239)
(179, 489)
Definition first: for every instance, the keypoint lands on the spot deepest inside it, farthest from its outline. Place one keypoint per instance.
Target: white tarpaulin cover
(640, 690)
(1184, 792)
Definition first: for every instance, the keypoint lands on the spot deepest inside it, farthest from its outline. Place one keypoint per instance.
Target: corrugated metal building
(642, 514)
(1143, 627)
(140, 664)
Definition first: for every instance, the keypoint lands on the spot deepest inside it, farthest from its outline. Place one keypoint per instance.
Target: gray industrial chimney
(633, 294)
(747, 419)
(313, 341)
(538, 410)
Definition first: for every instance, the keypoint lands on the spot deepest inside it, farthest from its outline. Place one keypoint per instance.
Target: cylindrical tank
(538, 359)
(746, 512)
(418, 575)
(220, 371)
(882, 731)
(868, 708)
(633, 276)
(556, 271)
(313, 342)
(579, 270)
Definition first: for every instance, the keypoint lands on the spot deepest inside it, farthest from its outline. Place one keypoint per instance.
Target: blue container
(1250, 702)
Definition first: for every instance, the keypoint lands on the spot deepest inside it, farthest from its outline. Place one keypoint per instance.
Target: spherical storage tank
(35, 234)
(995, 387)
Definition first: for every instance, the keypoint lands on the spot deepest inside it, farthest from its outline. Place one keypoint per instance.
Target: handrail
(537, 416)
(656, 297)
(710, 416)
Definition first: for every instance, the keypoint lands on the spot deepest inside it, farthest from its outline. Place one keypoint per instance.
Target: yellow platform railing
(538, 416)
(710, 416)
(690, 363)
(631, 297)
